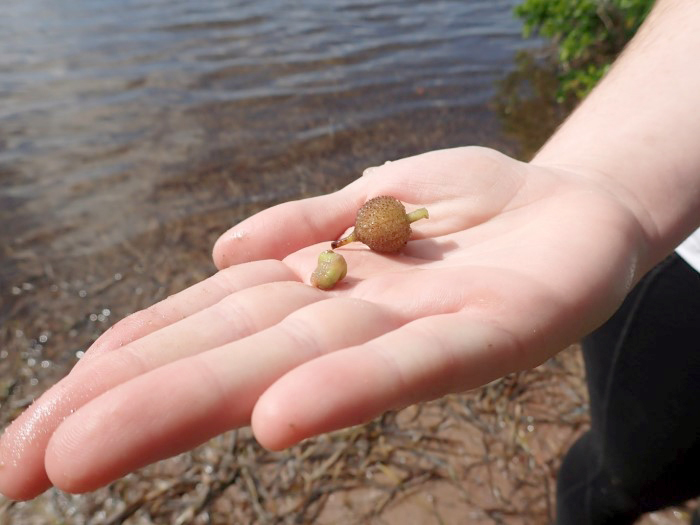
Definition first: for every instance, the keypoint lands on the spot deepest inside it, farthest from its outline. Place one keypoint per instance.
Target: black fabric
(643, 372)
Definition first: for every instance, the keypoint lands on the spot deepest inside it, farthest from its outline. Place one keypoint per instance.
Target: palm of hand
(516, 262)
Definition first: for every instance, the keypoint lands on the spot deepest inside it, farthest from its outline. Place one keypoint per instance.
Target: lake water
(133, 132)
(118, 116)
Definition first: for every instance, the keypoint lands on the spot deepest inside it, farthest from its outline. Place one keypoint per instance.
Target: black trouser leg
(643, 371)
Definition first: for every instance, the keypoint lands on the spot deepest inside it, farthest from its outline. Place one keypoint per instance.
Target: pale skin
(516, 261)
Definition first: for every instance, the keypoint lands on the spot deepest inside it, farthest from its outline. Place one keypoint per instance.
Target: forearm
(638, 132)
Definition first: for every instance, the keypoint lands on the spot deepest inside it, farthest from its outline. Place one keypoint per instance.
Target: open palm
(515, 262)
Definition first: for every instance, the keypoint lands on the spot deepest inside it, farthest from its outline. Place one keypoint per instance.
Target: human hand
(516, 262)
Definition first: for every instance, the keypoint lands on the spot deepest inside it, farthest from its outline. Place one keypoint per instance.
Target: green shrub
(587, 34)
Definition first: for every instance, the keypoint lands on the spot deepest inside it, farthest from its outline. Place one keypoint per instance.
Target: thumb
(280, 230)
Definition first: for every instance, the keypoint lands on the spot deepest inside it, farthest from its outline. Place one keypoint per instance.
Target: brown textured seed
(383, 224)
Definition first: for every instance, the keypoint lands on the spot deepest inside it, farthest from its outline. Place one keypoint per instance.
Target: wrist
(636, 134)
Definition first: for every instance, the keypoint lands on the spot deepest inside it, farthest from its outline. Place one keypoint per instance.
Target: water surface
(132, 133)
(120, 116)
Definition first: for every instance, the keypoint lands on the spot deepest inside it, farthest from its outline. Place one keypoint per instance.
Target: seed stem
(416, 215)
(345, 240)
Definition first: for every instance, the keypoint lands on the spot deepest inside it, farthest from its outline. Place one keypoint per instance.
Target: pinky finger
(422, 360)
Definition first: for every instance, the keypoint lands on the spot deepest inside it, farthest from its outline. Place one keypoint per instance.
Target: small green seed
(331, 269)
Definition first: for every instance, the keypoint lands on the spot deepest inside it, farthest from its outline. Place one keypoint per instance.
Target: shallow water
(132, 133)
(119, 116)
